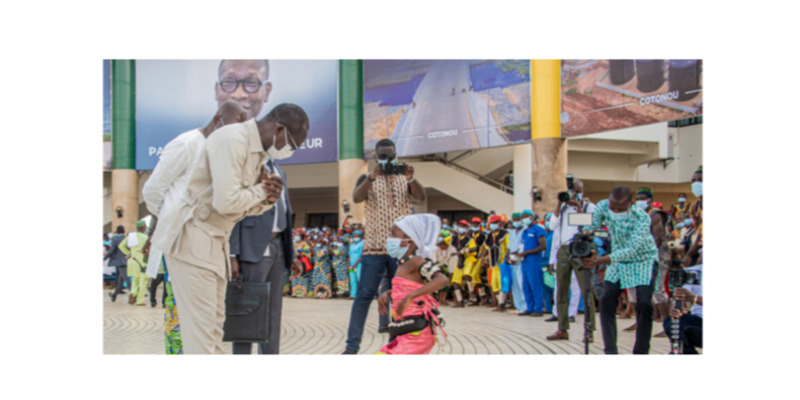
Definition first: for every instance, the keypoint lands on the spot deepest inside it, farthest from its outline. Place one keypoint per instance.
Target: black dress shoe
(348, 351)
(113, 298)
(383, 329)
(536, 314)
(152, 304)
(523, 313)
(551, 319)
(571, 319)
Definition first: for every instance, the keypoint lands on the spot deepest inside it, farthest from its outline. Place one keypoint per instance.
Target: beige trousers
(200, 295)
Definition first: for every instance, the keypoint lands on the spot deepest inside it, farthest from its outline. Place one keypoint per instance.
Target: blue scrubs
(532, 278)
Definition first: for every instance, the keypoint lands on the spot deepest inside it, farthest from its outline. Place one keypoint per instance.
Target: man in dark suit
(261, 249)
(118, 260)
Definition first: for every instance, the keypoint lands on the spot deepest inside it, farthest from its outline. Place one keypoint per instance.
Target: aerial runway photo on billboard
(602, 95)
(437, 106)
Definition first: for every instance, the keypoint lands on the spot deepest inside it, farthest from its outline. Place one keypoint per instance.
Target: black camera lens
(564, 196)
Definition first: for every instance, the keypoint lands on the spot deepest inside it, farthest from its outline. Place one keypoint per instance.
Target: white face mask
(286, 151)
(642, 204)
(618, 217)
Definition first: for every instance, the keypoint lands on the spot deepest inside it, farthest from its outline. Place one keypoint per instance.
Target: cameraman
(566, 278)
(387, 191)
(691, 323)
(633, 263)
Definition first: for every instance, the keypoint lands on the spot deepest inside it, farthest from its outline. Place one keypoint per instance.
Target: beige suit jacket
(222, 190)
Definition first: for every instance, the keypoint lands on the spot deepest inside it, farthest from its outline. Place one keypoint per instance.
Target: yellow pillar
(549, 149)
(124, 199)
(349, 172)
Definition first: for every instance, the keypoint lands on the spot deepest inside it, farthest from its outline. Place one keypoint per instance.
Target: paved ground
(313, 326)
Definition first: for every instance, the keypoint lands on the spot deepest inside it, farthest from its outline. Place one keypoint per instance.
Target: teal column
(123, 114)
(351, 109)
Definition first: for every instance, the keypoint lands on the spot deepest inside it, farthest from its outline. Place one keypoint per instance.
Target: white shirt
(566, 232)
(171, 176)
(515, 240)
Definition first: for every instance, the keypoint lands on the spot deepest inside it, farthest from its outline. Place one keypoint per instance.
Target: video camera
(395, 169)
(391, 168)
(679, 277)
(570, 193)
(583, 243)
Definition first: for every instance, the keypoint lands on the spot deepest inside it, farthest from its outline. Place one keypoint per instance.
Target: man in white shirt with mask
(562, 237)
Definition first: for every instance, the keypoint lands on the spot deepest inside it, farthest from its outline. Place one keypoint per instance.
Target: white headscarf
(423, 229)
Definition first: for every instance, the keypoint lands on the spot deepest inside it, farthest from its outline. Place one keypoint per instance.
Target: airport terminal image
(402, 206)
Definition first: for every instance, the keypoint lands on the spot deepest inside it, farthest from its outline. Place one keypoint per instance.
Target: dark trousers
(691, 332)
(644, 315)
(122, 277)
(564, 270)
(269, 269)
(373, 268)
(154, 286)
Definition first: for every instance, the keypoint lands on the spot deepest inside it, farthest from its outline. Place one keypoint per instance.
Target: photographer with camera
(633, 264)
(688, 292)
(567, 269)
(387, 192)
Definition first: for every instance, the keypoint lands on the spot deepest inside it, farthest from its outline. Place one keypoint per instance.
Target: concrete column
(523, 176)
(549, 149)
(549, 172)
(125, 195)
(349, 172)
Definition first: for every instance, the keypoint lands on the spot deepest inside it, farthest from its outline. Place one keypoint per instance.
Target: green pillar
(123, 114)
(124, 178)
(351, 137)
(351, 110)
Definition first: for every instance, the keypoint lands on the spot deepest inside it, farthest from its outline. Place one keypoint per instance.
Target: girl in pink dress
(415, 313)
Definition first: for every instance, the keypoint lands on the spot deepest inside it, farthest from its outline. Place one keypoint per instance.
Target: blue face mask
(527, 221)
(579, 196)
(642, 204)
(618, 217)
(516, 224)
(296, 239)
(697, 189)
(475, 228)
(494, 226)
(447, 227)
(356, 239)
(462, 230)
(681, 200)
(680, 225)
(394, 249)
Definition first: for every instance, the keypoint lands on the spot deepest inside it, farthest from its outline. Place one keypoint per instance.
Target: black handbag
(247, 312)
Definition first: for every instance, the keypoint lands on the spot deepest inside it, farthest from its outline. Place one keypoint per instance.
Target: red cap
(495, 219)
(463, 222)
(476, 220)
(658, 205)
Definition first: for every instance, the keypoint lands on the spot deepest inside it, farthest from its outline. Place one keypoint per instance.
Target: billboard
(175, 96)
(436, 106)
(601, 95)
(106, 115)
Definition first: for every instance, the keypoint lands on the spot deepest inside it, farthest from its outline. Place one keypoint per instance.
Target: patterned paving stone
(313, 326)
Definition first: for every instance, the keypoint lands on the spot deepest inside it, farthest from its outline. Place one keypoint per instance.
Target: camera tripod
(586, 292)
(676, 347)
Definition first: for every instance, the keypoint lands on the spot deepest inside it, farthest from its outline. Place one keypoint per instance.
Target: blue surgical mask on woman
(516, 224)
(394, 249)
(697, 189)
(462, 230)
(494, 226)
(356, 239)
(475, 228)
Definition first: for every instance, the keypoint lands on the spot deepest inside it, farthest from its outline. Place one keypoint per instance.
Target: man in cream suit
(229, 182)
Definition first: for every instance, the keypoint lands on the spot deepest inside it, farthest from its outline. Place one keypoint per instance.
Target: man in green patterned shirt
(633, 261)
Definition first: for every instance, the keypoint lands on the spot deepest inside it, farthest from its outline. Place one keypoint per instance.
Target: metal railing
(474, 174)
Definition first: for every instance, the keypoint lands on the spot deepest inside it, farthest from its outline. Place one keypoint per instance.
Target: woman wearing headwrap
(354, 262)
(303, 249)
(415, 311)
(339, 259)
(321, 278)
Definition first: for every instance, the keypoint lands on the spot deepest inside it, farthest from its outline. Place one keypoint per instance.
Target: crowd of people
(223, 214)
